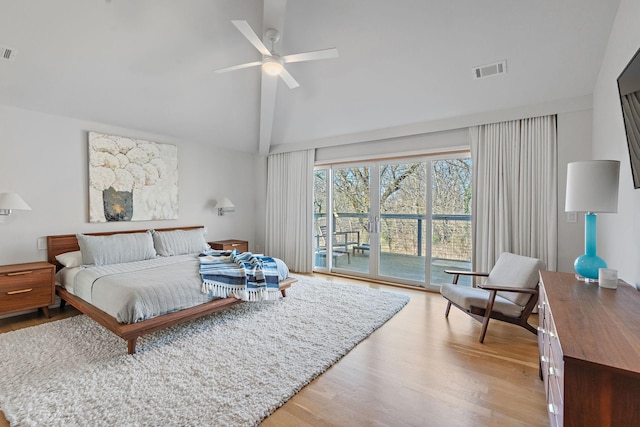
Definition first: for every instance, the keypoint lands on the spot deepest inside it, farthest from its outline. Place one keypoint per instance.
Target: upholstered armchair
(509, 293)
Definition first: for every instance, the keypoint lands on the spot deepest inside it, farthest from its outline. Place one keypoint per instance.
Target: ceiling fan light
(272, 67)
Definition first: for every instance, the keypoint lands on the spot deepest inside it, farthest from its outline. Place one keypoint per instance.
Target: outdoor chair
(341, 241)
(509, 294)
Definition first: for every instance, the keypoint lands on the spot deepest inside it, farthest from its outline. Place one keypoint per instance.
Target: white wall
(618, 234)
(44, 159)
(401, 146)
(574, 144)
(410, 131)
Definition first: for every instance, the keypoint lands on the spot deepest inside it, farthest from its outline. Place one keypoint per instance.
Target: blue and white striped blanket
(240, 275)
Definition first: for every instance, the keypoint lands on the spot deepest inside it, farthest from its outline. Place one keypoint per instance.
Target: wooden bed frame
(130, 332)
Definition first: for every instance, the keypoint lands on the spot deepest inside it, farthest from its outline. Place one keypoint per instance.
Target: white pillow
(116, 248)
(70, 259)
(66, 277)
(179, 242)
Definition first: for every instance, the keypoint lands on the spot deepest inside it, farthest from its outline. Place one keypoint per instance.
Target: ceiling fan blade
(238, 67)
(253, 38)
(310, 56)
(288, 79)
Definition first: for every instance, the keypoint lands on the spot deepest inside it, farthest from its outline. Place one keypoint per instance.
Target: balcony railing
(419, 218)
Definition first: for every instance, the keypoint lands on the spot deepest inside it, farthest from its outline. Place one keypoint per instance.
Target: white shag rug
(233, 368)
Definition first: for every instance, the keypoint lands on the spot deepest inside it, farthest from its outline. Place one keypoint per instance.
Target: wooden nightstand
(27, 286)
(229, 245)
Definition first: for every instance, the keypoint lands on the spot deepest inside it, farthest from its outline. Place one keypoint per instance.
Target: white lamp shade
(592, 186)
(12, 201)
(225, 203)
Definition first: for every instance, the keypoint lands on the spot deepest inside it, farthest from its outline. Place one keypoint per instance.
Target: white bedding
(66, 276)
(140, 290)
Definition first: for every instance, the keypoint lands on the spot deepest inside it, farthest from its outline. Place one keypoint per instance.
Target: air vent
(490, 70)
(7, 54)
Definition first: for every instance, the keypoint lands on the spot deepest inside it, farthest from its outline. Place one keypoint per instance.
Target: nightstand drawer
(22, 278)
(229, 245)
(25, 297)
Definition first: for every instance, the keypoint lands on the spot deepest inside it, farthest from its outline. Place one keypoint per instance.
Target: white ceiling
(147, 64)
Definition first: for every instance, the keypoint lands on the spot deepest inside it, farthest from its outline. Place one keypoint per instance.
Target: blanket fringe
(224, 290)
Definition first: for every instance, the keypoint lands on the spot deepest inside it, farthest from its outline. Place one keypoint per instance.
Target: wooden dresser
(589, 339)
(27, 286)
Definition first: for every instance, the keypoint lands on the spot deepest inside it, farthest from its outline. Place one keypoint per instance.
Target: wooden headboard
(62, 243)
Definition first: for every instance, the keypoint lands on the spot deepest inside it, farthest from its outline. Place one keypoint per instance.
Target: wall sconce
(592, 186)
(225, 205)
(10, 202)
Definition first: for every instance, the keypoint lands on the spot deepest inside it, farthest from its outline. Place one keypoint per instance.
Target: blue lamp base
(587, 266)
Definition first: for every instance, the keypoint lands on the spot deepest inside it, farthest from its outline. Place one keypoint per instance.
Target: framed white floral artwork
(131, 179)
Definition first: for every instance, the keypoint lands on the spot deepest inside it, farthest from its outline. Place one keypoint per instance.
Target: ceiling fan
(272, 63)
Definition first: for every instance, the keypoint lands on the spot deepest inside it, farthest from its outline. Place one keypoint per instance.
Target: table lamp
(592, 187)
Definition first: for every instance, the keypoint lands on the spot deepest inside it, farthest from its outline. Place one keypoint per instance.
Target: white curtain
(290, 209)
(515, 202)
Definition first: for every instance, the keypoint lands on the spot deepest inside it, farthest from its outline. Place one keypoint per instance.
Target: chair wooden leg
(483, 332)
(455, 282)
(446, 313)
(487, 315)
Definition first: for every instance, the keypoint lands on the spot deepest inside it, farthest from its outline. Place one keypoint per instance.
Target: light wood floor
(419, 369)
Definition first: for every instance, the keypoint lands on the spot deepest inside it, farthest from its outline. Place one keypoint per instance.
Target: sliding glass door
(403, 226)
(450, 219)
(320, 209)
(351, 196)
(345, 191)
(400, 221)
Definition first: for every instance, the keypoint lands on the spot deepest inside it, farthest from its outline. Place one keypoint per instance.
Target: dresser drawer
(556, 364)
(555, 406)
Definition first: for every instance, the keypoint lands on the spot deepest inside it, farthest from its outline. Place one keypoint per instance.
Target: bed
(130, 323)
